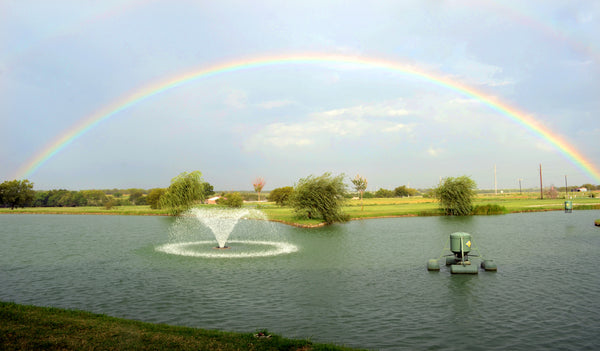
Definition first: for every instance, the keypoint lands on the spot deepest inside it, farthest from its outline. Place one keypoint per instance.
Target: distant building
(213, 200)
(582, 189)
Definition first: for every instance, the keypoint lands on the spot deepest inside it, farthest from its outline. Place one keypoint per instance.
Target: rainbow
(138, 96)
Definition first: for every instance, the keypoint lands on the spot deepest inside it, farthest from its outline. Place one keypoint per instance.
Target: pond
(361, 284)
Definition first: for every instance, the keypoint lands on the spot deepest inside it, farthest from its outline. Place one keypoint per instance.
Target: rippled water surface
(361, 284)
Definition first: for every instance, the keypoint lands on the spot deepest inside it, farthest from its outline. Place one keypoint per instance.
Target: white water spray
(221, 222)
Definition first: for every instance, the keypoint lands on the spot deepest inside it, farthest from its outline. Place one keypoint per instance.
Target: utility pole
(541, 184)
(566, 189)
(520, 191)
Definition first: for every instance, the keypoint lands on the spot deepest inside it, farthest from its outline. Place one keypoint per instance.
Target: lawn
(34, 328)
(368, 208)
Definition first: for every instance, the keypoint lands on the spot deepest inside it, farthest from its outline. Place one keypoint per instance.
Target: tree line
(313, 197)
(20, 193)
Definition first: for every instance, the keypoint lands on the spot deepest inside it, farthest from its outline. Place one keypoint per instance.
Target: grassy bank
(117, 210)
(33, 328)
(370, 208)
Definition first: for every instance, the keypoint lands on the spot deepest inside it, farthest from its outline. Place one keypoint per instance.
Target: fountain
(220, 223)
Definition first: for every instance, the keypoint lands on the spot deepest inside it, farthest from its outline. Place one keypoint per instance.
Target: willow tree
(320, 197)
(360, 184)
(456, 195)
(185, 190)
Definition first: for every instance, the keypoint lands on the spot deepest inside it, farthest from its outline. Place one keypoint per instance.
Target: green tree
(403, 191)
(73, 199)
(360, 184)
(135, 195)
(456, 195)
(383, 193)
(154, 196)
(320, 197)
(40, 199)
(231, 200)
(16, 193)
(142, 201)
(96, 197)
(185, 190)
(281, 196)
(207, 189)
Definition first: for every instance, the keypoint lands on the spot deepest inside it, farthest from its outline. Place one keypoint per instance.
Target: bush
(153, 198)
(368, 195)
(384, 193)
(281, 196)
(231, 200)
(489, 209)
(403, 191)
(109, 204)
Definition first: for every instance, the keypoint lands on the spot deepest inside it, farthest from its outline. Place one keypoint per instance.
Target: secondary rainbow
(138, 96)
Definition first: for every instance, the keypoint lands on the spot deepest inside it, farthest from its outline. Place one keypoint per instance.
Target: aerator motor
(461, 245)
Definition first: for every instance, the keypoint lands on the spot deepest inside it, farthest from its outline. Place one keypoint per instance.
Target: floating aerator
(461, 245)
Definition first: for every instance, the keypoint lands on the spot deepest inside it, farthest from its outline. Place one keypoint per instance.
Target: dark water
(361, 284)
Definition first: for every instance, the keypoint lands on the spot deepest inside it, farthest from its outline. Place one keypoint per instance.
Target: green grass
(597, 222)
(32, 328)
(117, 210)
(370, 208)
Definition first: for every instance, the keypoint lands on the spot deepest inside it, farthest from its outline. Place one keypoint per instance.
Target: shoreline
(536, 208)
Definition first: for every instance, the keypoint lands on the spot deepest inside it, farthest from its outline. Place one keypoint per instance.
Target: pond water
(361, 284)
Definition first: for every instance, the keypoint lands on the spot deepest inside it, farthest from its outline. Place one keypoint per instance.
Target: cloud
(395, 128)
(322, 127)
(379, 110)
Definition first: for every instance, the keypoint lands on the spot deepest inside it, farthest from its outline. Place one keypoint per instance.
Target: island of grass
(45, 328)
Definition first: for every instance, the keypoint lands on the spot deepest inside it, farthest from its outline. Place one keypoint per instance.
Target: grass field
(44, 328)
(370, 208)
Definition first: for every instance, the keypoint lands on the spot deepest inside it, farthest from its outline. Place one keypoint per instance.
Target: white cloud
(395, 128)
(378, 110)
(322, 127)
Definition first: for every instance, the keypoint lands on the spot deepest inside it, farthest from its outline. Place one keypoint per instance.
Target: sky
(66, 63)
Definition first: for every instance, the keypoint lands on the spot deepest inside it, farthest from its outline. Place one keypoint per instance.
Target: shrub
(153, 198)
(231, 200)
(489, 209)
(384, 193)
(281, 196)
